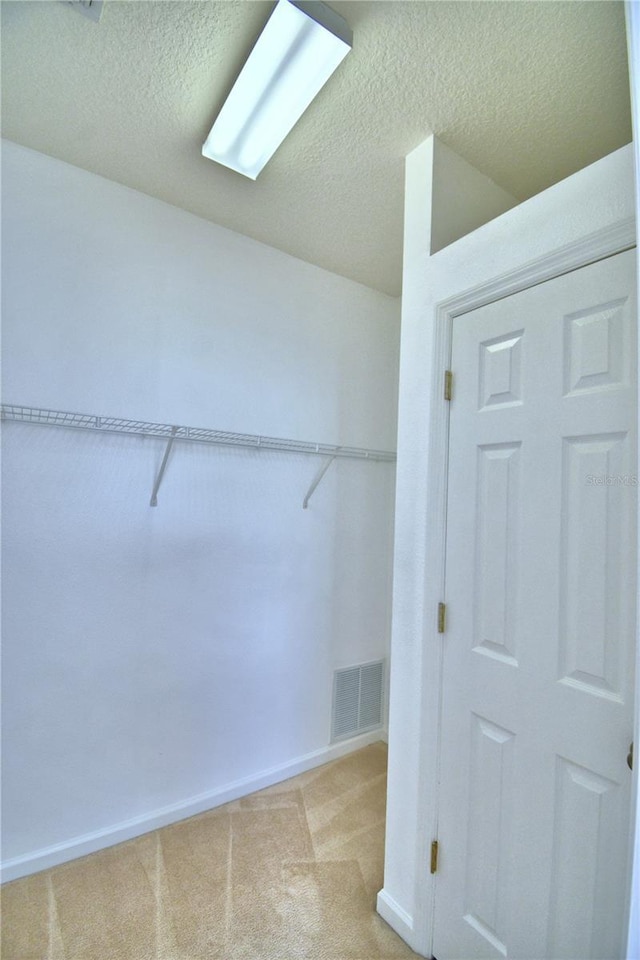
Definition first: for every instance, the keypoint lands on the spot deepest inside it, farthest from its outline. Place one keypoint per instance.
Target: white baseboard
(91, 842)
(397, 918)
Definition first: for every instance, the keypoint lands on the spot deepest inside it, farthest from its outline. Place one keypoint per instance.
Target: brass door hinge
(434, 856)
(442, 615)
(448, 384)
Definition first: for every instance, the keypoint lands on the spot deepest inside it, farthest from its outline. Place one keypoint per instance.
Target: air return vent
(357, 700)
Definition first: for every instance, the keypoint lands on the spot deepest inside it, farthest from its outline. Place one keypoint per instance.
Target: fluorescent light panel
(296, 53)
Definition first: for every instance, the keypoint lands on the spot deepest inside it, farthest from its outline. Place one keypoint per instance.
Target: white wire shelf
(173, 432)
(142, 428)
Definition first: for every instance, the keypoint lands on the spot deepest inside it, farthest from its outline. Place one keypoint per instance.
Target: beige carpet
(290, 872)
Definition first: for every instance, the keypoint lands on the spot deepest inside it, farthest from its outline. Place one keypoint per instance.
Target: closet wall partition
(158, 661)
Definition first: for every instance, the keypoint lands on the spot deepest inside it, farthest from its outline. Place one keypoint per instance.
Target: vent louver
(357, 700)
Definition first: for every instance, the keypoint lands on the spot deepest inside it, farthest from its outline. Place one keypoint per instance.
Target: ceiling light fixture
(294, 56)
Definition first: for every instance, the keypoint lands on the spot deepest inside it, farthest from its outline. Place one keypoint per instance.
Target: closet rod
(142, 428)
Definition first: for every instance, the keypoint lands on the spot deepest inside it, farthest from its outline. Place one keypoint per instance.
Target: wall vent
(357, 700)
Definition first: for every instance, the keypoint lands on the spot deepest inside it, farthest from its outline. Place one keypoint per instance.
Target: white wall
(153, 656)
(464, 198)
(596, 198)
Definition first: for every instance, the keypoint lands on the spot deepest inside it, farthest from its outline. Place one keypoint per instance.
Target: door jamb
(603, 243)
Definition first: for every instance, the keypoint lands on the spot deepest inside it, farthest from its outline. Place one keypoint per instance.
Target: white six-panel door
(539, 646)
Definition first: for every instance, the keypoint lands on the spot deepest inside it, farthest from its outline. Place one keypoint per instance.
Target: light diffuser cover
(294, 56)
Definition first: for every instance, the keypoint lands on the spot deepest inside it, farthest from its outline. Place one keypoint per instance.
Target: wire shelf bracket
(316, 480)
(143, 428)
(163, 466)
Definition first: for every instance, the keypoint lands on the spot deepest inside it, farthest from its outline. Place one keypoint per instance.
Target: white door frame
(596, 246)
(632, 16)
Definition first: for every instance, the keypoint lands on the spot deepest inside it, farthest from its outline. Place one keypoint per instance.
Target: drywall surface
(462, 198)
(153, 655)
(598, 197)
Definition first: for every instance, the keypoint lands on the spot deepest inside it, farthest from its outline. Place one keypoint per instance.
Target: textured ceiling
(528, 92)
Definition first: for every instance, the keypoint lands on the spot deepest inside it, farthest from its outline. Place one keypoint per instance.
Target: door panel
(587, 811)
(539, 649)
(592, 573)
(490, 812)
